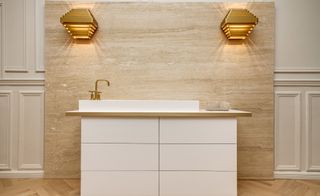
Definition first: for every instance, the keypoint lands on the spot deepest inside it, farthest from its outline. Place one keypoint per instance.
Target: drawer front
(119, 157)
(119, 130)
(215, 157)
(198, 130)
(133, 183)
(194, 183)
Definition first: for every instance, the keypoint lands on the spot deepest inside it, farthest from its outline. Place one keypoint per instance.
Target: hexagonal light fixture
(79, 23)
(238, 24)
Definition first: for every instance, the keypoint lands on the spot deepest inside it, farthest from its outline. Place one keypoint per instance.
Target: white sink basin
(138, 106)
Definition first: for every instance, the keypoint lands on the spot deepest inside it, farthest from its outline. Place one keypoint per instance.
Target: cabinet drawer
(133, 183)
(194, 183)
(119, 157)
(119, 130)
(215, 157)
(198, 130)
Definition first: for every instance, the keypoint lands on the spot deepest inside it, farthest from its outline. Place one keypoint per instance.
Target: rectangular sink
(138, 106)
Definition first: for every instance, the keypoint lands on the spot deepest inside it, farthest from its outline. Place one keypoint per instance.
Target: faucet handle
(98, 95)
(91, 95)
(95, 95)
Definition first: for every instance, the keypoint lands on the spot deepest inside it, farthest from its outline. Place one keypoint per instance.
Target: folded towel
(218, 106)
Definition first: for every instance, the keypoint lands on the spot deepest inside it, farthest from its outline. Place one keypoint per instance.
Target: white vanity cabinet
(157, 148)
(158, 156)
(198, 157)
(119, 156)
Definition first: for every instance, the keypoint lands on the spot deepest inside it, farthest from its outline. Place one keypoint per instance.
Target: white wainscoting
(5, 128)
(287, 130)
(22, 39)
(21, 131)
(297, 123)
(21, 88)
(31, 125)
(313, 130)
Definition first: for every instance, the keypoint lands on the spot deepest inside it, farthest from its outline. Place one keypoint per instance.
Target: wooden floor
(70, 187)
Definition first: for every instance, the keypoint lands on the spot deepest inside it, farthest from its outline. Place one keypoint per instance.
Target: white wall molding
(22, 82)
(15, 70)
(22, 51)
(29, 33)
(6, 105)
(25, 37)
(293, 70)
(39, 36)
(297, 82)
(21, 72)
(288, 123)
(309, 132)
(2, 40)
(31, 127)
(297, 175)
(22, 68)
(297, 76)
(21, 174)
(312, 133)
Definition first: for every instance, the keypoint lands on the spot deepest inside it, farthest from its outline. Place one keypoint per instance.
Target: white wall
(21, 88)
(297, 87)
(297, 33)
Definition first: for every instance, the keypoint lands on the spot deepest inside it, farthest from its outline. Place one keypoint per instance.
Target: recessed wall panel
(31, 129)
(15, 41)
(288, 130)
(5, 128)
(313, 130)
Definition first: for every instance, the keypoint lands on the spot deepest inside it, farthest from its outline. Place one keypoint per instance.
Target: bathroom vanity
(157, 148)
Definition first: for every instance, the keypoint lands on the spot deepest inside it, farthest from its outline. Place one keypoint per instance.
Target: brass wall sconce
(238, 23)
(79, 23)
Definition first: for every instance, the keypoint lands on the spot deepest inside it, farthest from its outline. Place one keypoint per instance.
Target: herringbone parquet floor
(71, 187)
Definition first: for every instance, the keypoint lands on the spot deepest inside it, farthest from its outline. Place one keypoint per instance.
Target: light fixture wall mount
(80, 23)
(238, 24)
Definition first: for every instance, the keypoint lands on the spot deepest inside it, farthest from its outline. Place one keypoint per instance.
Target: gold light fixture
(79, 23)
(238, 23)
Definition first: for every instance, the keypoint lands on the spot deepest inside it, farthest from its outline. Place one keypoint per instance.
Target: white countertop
(200, 113)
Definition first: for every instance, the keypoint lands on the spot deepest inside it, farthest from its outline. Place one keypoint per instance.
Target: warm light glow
(83, 6)
(237, 37)
(238, 23)
(80, 23)
(81, 37)
(81, 26)
(239, 5)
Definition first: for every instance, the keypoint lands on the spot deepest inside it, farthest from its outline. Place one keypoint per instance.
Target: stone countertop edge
(200, 113)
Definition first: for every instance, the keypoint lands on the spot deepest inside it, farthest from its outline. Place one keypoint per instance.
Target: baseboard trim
(297, 175)
(21, 174)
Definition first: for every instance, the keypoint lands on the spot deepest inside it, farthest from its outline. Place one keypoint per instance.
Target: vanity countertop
(200, 113)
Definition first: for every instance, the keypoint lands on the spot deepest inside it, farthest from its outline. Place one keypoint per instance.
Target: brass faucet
(96, 95)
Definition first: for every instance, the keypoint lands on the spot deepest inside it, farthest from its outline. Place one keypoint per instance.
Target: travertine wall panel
(160, 51)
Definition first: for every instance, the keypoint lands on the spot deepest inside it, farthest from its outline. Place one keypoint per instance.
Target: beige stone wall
(160, 51)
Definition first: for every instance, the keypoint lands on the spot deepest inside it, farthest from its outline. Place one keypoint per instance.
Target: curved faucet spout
(101, 80)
